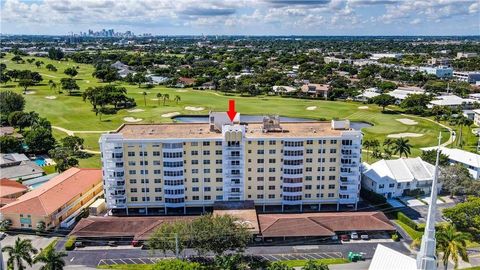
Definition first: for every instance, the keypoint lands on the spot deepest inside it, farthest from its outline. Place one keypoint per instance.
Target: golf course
(72, 115)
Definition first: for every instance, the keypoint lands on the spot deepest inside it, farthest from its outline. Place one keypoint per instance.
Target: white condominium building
(165, 168)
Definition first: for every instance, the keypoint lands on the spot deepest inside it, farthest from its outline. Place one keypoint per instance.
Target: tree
(22, 120)
(466, 215)
(159, 96)
(69, 84)
(39, 140)
(452, 244)
(4, 77)
(145, 98)
(62, 157)
(279, 266)
(231, 262)
(51, 259)
(10, 144)
(51, 67)
(430, 156)
(164, 237)
(456, 179)
(72, 143)
(177, 99)
(39, 64)
(165, 98)
(383, 101)
(402, 147)
(17, 59)
(55, 54)
(25, 83)
(52, 85)
(11, 102)
(19, 253)
(176, 265)
(71, 71)
(312, 265)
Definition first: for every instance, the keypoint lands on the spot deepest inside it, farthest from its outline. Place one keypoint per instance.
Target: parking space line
(303, 256)
(310, 256)
(142, 261)
(113, 261)
(328, 255)
(132, 261)
(339, 254)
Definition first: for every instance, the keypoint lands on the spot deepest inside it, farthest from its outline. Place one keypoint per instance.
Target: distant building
(283, 89)
(439, 61)
(476, 117)
(331, 59)
(453, 101)
(183, 82)
(123, 70)
(467, 76)
(316, 90)
(368, 94)
(57, 202)
(18, 167)
(440, 72)
(466, 55)
(376, 56)
(395, 178)
(403, 92)
(9, 131)
(10, 190)
(157, 79)
(468, 159)
(207, 86)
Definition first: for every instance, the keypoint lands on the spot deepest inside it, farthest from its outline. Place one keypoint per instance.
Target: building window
(133, 190)
(134, 199)
(206, 153)
(271, 196)
(133, 181)
(158, 199)
(206, 143)
(157, 181)
(156, 153)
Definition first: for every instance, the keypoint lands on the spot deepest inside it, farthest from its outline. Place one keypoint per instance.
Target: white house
(403, 92)
(468, 159)
(368, 94)
(453, 101)
(392, 178)
(476, 117)
(376, 56)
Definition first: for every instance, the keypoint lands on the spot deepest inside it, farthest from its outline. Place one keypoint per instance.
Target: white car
(354, 235)
(364, 237)
(2, 235)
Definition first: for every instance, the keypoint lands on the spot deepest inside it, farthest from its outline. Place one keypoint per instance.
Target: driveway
(419, 213)
(410, 201)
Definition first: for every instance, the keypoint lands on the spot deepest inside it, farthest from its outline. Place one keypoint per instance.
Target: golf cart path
(73, 132)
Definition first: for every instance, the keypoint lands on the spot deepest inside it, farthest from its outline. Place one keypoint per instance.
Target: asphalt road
(93, 257)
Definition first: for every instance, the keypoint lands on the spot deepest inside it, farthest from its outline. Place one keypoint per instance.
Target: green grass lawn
(127, 266)
(300, 263)
(414, 234)
(72, 113)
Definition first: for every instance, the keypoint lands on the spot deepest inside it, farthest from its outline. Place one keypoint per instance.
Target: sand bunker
(30, 92)
(407, 121)
(145, 92)
(181, 91)
(87, 81)
(136, 110)
(189, 108)
(363, 107)
(132, 119)
(311, 108)
(156, 99)
(51, 97)
(403, 135)
(172, 114)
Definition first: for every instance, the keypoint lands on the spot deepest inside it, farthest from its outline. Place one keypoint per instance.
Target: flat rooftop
(202, 130)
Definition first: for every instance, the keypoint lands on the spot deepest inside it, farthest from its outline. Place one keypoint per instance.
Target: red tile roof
(321, 224)
(9, 187)
(49, 197)
(137, 227)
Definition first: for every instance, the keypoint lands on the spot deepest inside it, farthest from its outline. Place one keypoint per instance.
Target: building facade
(467, 76)
(154, 169)
(440, 71)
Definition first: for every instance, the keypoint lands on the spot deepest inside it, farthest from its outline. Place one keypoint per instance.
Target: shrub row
(70, 243)
(406, 220)
(372, 197)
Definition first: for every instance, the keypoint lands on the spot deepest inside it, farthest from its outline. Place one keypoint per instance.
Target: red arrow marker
(231, 109)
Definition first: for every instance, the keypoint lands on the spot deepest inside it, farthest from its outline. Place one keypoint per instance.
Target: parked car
(354, 235)
(2, 235)
(112, 243)
(364, 237)
(344, 237)
(79, 244)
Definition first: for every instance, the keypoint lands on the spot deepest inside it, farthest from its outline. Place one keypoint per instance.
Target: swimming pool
(40, 161)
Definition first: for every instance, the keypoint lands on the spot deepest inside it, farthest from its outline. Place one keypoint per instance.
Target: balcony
(174, 196)
(285, 184)
(293, 193)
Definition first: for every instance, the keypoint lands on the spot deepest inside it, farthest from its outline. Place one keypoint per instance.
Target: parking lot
(268, 257)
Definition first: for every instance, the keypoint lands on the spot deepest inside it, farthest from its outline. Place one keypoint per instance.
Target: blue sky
(243, 17)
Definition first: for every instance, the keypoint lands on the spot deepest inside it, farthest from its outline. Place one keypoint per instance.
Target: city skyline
(267, 17)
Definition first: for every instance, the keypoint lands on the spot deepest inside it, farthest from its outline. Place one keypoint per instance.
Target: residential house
(10, 190)
(9, 131)
(18, 167)
(207, 86)
(476, 117)
(368, 94)
(57, 202)
(183, 82)
(122, 69)
(453, 101)
(395, 178)
(283, 89)
(316, 90)
(402, 92)
(468, 159)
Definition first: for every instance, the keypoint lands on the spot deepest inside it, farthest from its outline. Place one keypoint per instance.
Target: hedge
(406, 220)
(70, 243)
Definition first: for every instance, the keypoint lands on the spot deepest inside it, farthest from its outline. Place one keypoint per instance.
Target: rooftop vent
(271, 123)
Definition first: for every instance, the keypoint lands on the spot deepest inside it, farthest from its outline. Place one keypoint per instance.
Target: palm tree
(159, 95)
(402, 147)
(145, 98)
(177, 98)
(375, 144)
(21, 251)
(367, 144)
(53, 260)
(165, 98)
(452, 243)
(52, 85)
